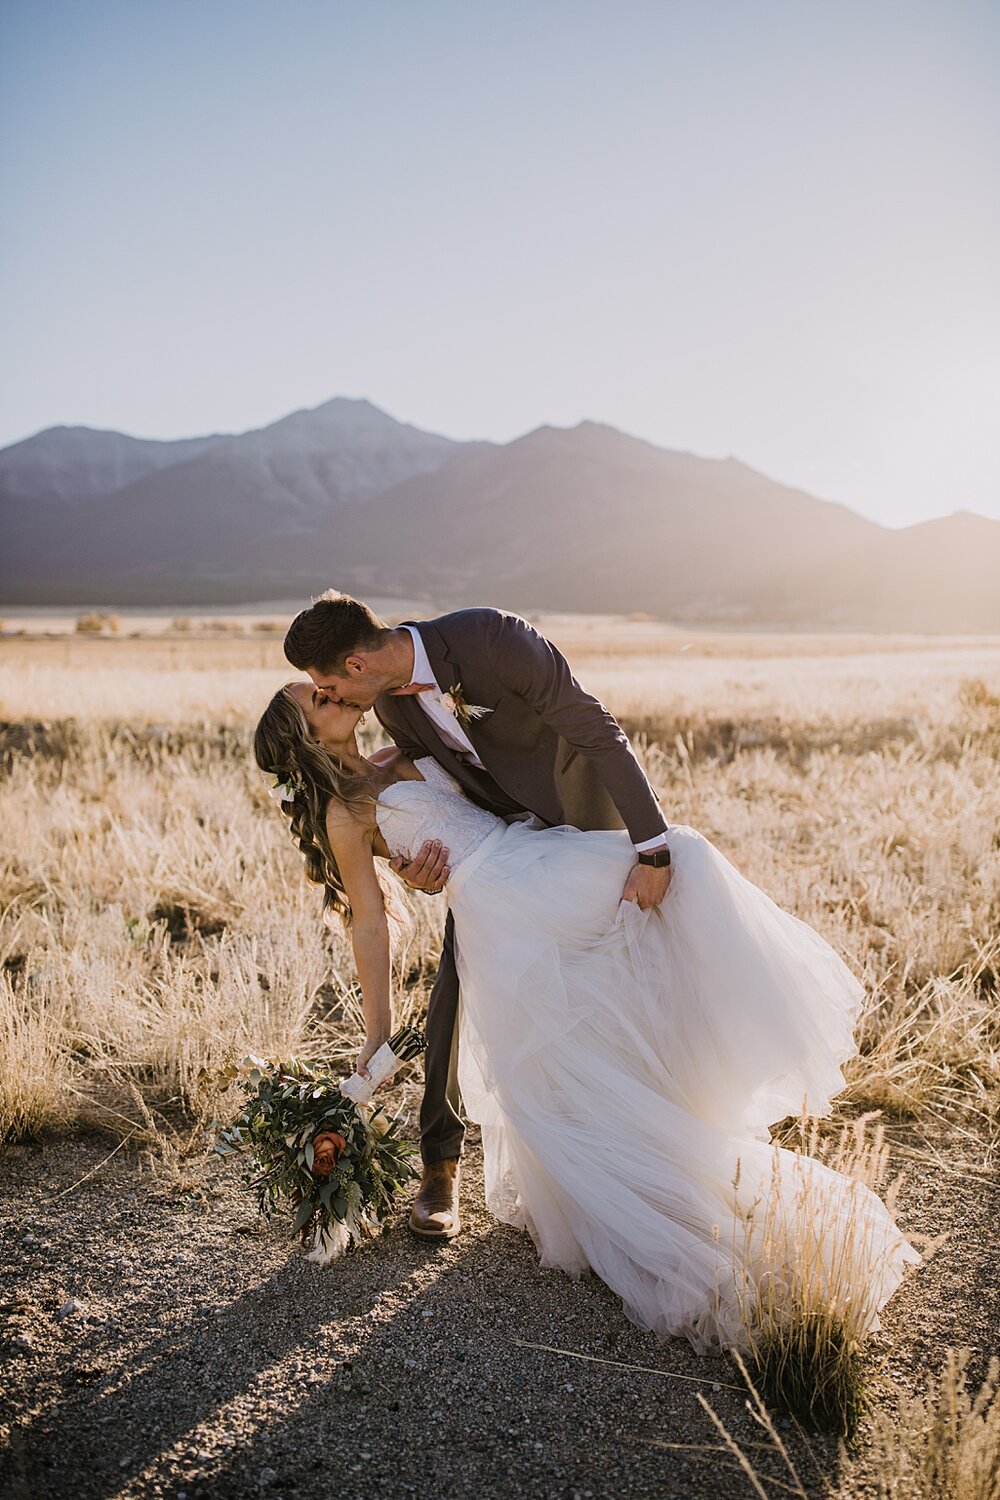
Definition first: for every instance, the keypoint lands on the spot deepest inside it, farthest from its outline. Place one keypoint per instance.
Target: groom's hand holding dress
(647, 886)
(427, 871)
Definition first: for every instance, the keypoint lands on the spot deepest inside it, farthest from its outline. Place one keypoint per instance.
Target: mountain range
(584, 518)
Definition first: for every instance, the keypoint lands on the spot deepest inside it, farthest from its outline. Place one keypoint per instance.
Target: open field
(647, 672)
(154, 921)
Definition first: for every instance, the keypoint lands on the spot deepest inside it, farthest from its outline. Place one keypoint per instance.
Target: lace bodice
(411, 812)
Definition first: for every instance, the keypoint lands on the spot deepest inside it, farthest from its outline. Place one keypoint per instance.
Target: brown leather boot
(434, 1215)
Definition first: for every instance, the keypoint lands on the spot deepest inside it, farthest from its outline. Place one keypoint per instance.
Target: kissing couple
(634, 1013)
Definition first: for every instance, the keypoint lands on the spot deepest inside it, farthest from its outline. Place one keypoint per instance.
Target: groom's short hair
(326, 633)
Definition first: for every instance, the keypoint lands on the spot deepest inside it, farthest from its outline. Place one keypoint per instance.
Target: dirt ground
(160, 1340)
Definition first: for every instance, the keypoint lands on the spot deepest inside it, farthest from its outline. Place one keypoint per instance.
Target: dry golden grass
(942, 1443)
(154, 918)
(652, 675)
(155, 923)
(804, 1255)
(35, 1068)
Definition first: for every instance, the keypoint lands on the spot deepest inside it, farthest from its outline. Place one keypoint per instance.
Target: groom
(544, 747)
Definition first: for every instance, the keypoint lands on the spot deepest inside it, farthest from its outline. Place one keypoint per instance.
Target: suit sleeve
(530, 666)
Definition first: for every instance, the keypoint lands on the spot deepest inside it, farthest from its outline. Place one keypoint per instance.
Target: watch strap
(658, 859)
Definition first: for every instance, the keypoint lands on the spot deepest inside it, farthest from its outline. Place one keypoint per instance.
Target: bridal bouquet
(338, 1163)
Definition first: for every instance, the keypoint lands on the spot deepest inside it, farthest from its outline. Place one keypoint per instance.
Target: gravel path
(161, 1342)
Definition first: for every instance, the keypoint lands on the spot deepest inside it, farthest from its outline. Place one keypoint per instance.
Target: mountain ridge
(585, 517)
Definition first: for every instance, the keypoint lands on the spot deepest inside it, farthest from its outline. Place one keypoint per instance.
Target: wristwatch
(658, 858)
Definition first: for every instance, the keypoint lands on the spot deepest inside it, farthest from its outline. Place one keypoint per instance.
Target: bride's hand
(647, 885)
(368, 1051)
(427, 871)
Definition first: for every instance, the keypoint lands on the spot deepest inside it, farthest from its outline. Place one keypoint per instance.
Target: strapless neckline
(434, 807)
(420, 780)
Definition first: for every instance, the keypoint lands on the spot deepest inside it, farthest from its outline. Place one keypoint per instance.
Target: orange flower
(328, 1148)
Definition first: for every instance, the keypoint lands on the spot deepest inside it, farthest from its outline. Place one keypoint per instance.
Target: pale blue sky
(768, 228)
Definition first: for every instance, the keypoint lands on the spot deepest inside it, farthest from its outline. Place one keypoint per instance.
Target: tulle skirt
(625, 1067)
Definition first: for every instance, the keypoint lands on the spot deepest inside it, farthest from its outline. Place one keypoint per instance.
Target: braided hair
(283, 746)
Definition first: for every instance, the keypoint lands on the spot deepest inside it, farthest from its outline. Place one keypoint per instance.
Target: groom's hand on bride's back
(646, 885)
(427, 871)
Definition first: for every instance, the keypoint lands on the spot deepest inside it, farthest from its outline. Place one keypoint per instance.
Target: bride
(624, 1065)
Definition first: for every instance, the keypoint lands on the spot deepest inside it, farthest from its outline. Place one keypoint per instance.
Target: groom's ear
(356, 666)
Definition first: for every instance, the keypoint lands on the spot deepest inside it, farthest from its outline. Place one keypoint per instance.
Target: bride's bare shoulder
(349, 824)
(391, 758)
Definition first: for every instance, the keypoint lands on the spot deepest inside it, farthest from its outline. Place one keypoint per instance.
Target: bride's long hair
(284, 747)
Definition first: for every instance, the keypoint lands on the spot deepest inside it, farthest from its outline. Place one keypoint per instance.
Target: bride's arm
(351, 843)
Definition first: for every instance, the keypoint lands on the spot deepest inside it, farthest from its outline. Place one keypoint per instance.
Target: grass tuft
(810, 1272)
(811, 1367)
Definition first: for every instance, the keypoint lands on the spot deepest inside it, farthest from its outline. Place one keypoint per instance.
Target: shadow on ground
(208, 1359)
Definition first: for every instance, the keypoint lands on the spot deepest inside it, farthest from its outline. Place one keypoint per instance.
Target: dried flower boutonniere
(465, 713)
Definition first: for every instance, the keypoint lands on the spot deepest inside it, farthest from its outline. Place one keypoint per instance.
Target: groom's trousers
(441, 1128)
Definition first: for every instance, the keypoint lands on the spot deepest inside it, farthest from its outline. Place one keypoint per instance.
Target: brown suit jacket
(548, 746)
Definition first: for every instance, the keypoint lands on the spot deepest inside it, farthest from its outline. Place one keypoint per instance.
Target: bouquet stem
(402, 1048)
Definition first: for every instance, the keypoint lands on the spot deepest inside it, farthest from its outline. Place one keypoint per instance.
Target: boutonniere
(465, 713)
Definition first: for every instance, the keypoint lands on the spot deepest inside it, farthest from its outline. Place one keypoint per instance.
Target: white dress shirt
(447, 724)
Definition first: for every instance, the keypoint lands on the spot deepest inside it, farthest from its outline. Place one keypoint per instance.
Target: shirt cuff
(660, 842)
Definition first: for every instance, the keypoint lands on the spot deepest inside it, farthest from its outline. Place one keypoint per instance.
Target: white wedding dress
(625, 1065)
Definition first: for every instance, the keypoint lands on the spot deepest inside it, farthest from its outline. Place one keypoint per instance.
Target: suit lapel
(406, 711)
(437, 654)
(447, 674)
(405, 719)
(403, 716)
